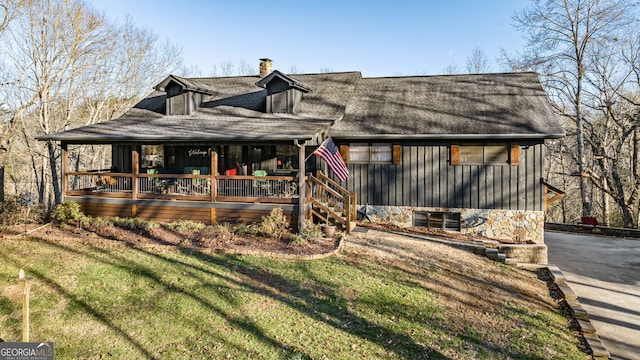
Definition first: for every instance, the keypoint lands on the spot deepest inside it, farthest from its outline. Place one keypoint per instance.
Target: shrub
(148, 225)
(274, 225)
(187, 225)
(214, 235)
(10, 212)
(312, 231)
(66, 212)
(242, 229)
(297, 240)
(101, 223)
(38, 214)
(134, 223)
(223, 232)
(127, 223)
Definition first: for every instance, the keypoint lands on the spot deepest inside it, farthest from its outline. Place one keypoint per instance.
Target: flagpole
(307, 158)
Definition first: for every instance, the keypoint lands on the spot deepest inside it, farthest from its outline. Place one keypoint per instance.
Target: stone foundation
(517, 226)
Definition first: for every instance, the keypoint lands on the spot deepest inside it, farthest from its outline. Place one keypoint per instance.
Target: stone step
(598, 351)
(491, 254)
(568, 293)
(511, 261)
(557, 275)
(576, 308)
(586, 326)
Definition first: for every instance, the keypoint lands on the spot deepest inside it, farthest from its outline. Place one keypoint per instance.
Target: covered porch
(203, 189)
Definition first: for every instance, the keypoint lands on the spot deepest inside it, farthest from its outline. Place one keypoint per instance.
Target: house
(459, 152)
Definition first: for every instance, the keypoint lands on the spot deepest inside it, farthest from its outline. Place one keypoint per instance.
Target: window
(484, 154)
(152, 156)
(279, 102)
(177, 105)
(437, 220)
(380, 153)
(287, 157)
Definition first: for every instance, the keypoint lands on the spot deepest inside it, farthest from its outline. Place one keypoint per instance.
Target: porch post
(65, 168)
(135, 158)
(301, 185)
(214, 175)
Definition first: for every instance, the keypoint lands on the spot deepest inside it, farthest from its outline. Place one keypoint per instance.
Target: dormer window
(176, 100)
(183, 95)
(283, 92)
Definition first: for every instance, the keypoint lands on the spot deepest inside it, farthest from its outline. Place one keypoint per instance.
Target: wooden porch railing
(330, 201)
(278, 189)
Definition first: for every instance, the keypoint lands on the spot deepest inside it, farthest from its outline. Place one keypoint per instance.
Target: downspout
(301, 183)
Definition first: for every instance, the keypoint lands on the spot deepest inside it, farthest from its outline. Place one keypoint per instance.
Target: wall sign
(198, 152)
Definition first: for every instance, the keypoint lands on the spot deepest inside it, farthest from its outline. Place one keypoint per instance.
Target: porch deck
(209, 198)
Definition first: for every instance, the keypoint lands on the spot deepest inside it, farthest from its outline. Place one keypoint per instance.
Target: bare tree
(451, 69)
(613, 133)
(9, 9)
(325, 70)
(295, 70)
(227, 68)
(477, 62)
(559, 35)
(74, 68)
(245, 69)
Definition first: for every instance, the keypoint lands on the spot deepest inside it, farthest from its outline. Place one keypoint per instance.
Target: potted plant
(329, 230)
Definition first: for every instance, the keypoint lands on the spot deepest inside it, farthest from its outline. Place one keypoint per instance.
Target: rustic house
(459, 152)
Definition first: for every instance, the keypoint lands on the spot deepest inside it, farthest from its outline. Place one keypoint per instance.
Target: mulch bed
(211, 238)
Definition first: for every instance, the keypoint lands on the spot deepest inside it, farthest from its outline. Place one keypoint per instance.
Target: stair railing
(328, 197)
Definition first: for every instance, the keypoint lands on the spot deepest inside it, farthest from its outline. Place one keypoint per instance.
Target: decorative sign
(198, 152)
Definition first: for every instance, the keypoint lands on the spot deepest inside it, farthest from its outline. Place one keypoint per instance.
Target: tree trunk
(55, 180)
(605, 206)
(584, 193)
(1, 183)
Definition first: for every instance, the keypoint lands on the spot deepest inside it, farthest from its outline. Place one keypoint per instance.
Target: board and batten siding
(426, 179)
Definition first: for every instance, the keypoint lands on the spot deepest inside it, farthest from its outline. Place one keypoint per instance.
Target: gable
(283, 93)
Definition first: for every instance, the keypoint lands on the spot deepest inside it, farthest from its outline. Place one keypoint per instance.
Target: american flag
(328, 151)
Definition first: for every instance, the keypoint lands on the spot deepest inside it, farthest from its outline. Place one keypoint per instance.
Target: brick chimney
(265, 67)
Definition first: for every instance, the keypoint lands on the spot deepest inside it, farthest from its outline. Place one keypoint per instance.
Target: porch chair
(262, 186)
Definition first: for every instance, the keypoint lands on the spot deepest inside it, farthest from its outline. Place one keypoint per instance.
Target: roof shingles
(450, 106)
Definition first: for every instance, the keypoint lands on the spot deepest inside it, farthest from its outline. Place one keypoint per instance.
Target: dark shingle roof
(291, 81)
(451, 106)
(188, 84)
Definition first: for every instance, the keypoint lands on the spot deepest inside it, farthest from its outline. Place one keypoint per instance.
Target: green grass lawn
(98, 301)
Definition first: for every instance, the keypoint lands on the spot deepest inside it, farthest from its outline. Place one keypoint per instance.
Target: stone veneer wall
(519, 226)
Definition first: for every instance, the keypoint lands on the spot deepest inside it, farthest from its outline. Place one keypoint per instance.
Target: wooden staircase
(330, 202)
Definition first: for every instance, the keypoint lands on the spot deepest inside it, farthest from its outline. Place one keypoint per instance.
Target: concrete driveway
(605, 274)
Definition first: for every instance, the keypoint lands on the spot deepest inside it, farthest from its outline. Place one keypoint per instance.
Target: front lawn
(110, 300)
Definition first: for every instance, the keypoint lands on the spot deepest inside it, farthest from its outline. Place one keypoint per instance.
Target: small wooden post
(301, 185)
(26, 289)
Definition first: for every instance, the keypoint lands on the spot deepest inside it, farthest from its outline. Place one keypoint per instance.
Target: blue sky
(379, 38)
